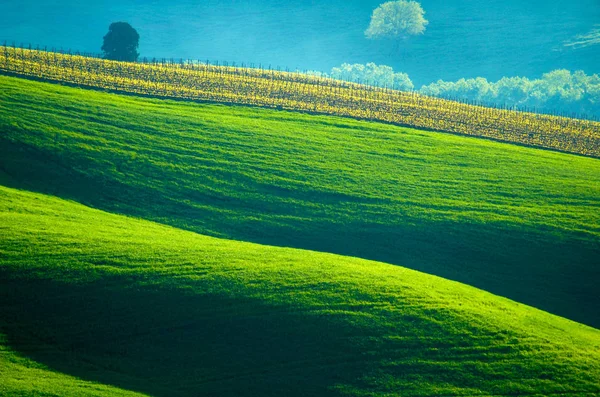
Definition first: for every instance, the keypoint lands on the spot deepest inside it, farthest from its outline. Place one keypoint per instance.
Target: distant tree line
(559, 90)
(378, 75)
(370, 74)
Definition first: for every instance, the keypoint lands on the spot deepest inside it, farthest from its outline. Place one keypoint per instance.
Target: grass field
(96, 303)
(518, 222)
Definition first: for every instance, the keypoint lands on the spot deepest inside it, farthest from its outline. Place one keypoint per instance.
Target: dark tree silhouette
(121, 42)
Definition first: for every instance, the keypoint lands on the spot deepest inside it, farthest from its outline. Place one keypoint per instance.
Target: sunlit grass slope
(519, 222)
(149, 308)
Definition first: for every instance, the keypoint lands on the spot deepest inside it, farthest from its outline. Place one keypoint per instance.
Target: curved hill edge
(150, 308)
(439, 203)
(336, 325)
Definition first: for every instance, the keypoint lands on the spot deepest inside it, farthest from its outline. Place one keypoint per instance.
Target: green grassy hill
(519, 222)
(99, 303)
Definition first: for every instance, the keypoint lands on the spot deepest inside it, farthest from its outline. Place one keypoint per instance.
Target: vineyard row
(301, 92)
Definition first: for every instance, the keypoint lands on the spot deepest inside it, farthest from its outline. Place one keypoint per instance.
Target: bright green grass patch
(519, 222)
(150, 308)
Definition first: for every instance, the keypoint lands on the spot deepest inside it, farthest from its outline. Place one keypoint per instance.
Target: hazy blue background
(465, 38)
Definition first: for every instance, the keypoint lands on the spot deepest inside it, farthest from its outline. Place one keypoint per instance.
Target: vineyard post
(22, 58)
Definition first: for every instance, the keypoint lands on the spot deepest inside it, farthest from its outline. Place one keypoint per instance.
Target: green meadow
(163, 248)
(518, 222)
(95, 303)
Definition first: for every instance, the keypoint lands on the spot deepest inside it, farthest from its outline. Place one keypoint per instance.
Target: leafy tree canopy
(559, 90)
(397, 19)
(370, 73)
(379, 75)
(121, 42)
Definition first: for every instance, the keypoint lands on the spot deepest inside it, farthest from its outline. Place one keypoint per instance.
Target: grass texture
(518, 222)
(102, 304)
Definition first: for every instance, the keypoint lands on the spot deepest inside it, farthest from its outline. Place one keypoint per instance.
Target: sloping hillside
(148, 308)
(519, 222)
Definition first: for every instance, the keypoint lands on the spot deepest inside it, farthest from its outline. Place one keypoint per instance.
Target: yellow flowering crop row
(300, 92)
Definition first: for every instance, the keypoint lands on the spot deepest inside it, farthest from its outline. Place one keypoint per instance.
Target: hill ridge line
(436, 330)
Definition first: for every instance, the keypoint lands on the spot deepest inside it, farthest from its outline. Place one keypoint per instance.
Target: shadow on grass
(183, 342)
(529, 266)
(167, 343)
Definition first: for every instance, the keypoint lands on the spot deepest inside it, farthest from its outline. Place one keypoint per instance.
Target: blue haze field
(490, 39)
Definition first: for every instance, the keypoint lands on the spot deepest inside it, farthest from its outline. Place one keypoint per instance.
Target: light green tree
(557, 91)
(378, 75)
(397, 19)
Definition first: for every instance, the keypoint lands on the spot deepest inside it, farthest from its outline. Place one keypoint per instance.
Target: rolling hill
(173, 227)
(101, 304)
(519, 222)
